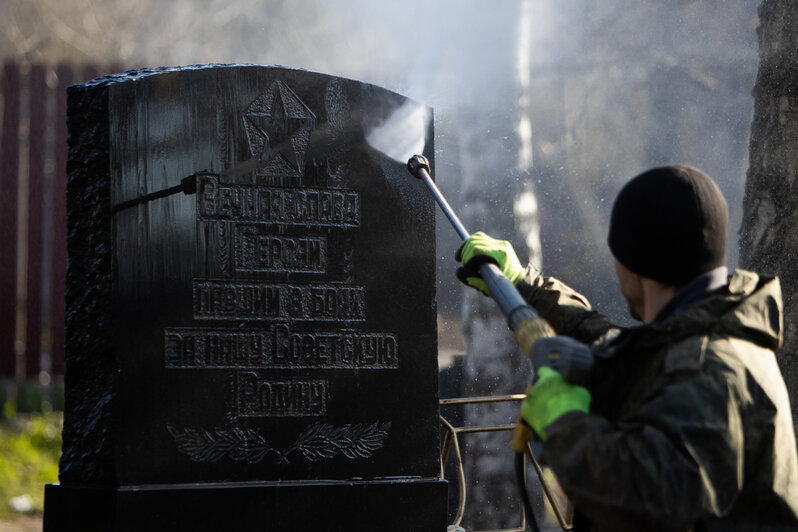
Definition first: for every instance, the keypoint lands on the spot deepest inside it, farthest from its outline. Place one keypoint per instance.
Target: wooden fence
(33, 259)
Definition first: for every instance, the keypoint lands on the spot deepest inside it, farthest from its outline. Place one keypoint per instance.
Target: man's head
(669, 224)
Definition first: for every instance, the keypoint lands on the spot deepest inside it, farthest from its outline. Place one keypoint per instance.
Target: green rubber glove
(551, 398)
(480, 248)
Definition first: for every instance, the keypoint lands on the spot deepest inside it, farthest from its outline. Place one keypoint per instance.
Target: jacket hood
(749, 307)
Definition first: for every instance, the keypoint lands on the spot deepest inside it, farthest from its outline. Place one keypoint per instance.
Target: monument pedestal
(395, 505)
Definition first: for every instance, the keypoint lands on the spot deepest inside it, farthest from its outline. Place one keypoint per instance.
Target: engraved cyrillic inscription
(280, 347)
(220, 300)
(217, 300)
(256, 396)
(220, 348)
(332, 302)
(343, 349)
(257, 250)
(287, 206)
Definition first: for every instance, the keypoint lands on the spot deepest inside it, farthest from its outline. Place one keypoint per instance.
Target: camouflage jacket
(690, 426)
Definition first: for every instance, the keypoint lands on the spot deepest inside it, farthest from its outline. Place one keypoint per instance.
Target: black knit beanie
(669, 224)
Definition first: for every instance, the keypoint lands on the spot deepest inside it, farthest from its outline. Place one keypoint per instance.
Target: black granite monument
(251, 318)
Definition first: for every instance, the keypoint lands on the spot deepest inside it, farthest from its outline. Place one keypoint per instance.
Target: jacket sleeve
(566, 310)
(677, 459)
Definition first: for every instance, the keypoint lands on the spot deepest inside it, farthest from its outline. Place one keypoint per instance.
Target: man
(685, 422)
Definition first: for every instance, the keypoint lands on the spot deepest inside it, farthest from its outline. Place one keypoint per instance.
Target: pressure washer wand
(501, 288)
(521, 317)
(419, 167)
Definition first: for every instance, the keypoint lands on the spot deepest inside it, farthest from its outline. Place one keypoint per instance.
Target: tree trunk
(769, 233)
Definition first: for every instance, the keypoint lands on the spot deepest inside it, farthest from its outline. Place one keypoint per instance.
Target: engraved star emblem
(278, 126)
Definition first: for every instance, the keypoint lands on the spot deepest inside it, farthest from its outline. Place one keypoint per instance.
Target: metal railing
(451, 442)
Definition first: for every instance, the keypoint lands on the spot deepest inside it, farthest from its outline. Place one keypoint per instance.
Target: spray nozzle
(416, 163)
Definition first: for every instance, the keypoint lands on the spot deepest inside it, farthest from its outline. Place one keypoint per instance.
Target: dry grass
(22, 523)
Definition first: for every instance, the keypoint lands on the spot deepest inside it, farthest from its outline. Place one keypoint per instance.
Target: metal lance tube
(418, 165)
(521, 317)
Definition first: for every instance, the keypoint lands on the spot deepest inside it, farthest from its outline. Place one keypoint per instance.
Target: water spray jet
(403, 133)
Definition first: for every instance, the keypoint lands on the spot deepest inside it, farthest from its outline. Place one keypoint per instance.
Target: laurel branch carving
(319, 441)
(223, 249)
